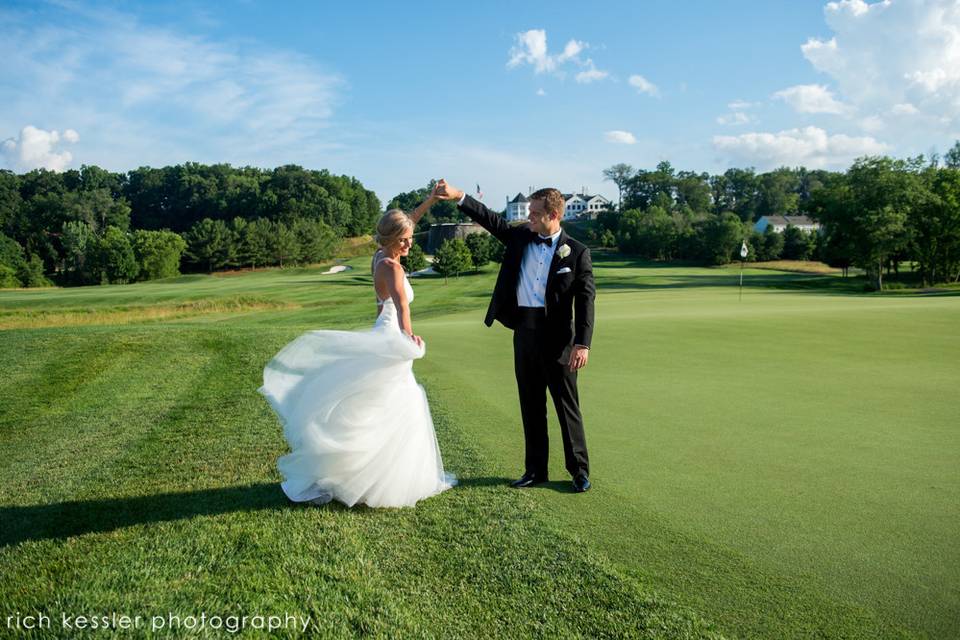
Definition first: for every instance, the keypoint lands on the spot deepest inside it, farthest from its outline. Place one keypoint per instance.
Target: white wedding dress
(357, 422)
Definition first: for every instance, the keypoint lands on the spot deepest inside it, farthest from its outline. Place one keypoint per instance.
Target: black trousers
(538, 369)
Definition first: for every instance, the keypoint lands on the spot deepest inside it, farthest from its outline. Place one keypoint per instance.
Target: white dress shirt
(534, 270)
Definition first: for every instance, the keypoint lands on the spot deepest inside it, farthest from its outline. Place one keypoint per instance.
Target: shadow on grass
(486, 481)
(559, 486)
(65, 519)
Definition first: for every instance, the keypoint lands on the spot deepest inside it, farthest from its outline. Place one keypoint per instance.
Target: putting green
(790, 455)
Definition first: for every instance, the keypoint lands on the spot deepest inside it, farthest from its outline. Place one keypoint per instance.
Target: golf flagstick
(743, 256)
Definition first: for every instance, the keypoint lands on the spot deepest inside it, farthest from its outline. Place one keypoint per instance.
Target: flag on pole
(743, 249)
(479, 193)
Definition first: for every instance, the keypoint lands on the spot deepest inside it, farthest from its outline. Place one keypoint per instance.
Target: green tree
(284, 245)
(209, 244)
(237, 227)
(693, 190)
(721, 237)
(112, 259)
(256, 247)
(480, 249)
(316, 240)
(934, 225)
(647, 188)
(31, 274)
(452, 258)
(770, 246)
(12, 262)
(778, 193)
(77, 238)
(495, 249)
(736, 190)
(797, 244)
(951, 159)
(10, 200)
(415, 260)
(158, 253)
(620, 174)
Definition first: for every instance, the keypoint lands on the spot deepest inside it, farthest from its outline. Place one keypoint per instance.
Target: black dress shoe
(581, 483)
(528, 480)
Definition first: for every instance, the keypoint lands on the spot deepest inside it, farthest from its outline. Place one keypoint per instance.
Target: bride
(357, 422)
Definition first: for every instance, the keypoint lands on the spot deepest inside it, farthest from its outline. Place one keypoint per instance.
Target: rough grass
(72, 317)
(796, 266)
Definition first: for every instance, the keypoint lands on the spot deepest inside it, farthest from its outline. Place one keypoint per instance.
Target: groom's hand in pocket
(578, 357)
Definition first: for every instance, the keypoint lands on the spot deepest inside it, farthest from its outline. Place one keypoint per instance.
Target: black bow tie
(546, 241)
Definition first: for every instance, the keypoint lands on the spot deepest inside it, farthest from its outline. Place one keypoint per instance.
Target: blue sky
(508, 95)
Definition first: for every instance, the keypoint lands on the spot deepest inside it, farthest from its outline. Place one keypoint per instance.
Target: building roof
(519, 198)
(796, 221)
(582, 196)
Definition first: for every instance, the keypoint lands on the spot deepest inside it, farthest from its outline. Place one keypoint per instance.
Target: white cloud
(541, 92)
(37, 149)
(903, 109)
(734, 119)
(591, 74)
(884, 54)
(811, 147)
(872, 124)
(531, 48)
(620, 137)
(740, 105)
(811, 98)
(571, 50)
(109, 76)
(644, 86)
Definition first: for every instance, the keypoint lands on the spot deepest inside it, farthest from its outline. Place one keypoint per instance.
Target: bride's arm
(423, 208)
(390, 277)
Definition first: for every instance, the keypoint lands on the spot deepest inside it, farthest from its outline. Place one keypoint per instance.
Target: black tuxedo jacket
(569, 295)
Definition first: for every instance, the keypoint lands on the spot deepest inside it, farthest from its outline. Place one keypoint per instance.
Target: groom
(544, 292)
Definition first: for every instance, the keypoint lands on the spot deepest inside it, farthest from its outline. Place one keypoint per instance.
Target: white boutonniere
(563, 250)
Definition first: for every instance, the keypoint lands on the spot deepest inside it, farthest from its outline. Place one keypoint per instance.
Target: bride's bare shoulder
(386, 266)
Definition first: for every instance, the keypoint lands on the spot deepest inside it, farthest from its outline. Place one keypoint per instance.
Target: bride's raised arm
(424, 206)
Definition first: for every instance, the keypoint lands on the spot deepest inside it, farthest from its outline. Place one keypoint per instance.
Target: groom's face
(537, 217)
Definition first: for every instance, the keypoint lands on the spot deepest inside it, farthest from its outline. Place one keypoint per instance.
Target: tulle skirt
(357, 422)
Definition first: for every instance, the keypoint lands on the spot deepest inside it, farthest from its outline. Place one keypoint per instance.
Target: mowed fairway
(781, 466)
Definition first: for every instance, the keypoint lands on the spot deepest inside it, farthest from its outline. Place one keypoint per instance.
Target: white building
(581, 205)
(518, 208)
(780, 223)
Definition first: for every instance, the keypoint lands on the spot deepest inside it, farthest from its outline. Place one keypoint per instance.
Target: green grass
(784, 466)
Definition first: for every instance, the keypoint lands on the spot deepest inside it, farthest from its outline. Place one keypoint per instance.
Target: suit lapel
(555, 263)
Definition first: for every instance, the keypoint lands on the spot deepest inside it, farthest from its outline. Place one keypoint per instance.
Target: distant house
(518, 208)
(780, 224)
(448, 231)
(578, 205)
(581, 205)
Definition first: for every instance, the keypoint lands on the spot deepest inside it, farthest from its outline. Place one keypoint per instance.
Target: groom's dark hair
(553, 200)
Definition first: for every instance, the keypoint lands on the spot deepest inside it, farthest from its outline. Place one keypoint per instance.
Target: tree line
(877, 215)
(95, 226)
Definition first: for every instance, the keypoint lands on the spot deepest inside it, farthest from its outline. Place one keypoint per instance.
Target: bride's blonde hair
(391, 227)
